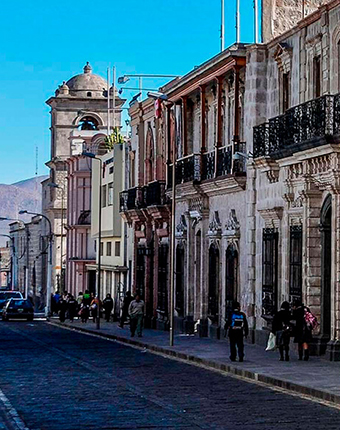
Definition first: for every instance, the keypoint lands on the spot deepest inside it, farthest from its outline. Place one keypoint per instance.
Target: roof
(86, 81)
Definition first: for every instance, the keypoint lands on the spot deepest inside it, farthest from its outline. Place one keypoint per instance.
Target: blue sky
(46, 42)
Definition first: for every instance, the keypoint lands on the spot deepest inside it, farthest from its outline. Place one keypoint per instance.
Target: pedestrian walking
(281, 329)
(125, 308)
(62, 309)
(80, 299)
(238, 329)
(108, 306)
(303, 330)
(86, 298)
(72, 307)
(84, 313)
(95, 308)
(136, 313)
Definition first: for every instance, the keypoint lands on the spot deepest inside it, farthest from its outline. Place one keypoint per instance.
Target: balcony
(308, 125)
(152, 194)
(200, 167)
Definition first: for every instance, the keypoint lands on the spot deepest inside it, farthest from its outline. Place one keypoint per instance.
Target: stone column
(218, 142)
(184, 125)
(203, 119)
(203, 330)
(250, 293)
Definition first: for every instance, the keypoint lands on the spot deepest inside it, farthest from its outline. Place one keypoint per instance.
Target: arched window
(89, 94)
(180, 280)
(88, 123)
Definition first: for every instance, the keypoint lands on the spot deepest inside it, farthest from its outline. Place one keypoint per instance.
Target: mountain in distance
(24, 194)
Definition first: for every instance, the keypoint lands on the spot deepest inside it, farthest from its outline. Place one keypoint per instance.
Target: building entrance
(231, 278)
(326, 267)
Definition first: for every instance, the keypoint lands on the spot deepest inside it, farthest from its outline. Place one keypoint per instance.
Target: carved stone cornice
(215, 227)
(270, 167)
(272, 216)
(232, 226)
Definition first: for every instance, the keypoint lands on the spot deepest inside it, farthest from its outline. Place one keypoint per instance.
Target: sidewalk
(317, 377)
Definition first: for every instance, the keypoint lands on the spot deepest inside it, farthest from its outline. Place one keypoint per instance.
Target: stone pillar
(250, 293)
(218, 142)
(203, 329)
(184, 125)
(203, 119)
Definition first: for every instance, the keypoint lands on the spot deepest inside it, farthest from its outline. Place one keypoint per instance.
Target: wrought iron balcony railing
(200, 167)
(154, 193)
(301, 127)
(128, 199)
(141, 197)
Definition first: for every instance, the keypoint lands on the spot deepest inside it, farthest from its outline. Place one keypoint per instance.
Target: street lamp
(54, 185)
(49, 271)
(164, 97)
(93, 156)
(12, 256)
(125, 78)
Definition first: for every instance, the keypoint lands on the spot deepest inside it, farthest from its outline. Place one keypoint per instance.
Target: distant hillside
(21, 195)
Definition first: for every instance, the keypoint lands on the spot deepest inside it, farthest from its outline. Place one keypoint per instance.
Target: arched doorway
(214, 262)
(180, 280)
(326, 266)
(231, 278)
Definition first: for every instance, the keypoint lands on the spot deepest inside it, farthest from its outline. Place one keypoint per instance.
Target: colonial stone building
(292, 99)
(78, 113)
(144, 206)
(30, 259)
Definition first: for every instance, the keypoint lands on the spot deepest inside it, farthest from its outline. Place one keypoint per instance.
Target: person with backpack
(108, 306)
(305, 323)
(281, 329)
(238, 329)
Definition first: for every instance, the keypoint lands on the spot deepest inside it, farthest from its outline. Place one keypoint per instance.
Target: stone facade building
(144, 206)
(30, 259)
(293, 181)
(78, 113)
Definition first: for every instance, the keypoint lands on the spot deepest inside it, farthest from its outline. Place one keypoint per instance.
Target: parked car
(18, 309)
(6, 295)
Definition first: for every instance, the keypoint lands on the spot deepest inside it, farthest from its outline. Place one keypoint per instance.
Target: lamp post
(93, 156)
(125, 78)
(49, 270)
(54, 185)
(12, 257)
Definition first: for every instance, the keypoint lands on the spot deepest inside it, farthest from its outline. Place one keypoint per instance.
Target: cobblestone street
(58, 379)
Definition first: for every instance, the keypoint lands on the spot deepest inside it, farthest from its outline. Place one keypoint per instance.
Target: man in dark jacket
(72, 307)
(108, 306)
(238, 329)
(125, 308)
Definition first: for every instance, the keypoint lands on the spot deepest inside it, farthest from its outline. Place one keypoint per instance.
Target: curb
(215, 365)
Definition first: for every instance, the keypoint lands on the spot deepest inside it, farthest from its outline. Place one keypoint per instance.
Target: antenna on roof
(237, 21)
(222, 25)
(36, 161)
(256, 20)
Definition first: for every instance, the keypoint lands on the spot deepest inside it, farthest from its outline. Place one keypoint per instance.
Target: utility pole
(222, 26)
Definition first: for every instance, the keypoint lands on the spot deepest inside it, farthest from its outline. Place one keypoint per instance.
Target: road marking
(14, 417)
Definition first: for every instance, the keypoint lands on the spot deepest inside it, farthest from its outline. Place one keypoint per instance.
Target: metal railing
(300, 127)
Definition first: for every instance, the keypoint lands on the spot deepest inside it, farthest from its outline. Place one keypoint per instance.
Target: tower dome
(87, 84)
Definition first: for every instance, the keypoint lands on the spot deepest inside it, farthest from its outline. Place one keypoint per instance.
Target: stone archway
(326, 266)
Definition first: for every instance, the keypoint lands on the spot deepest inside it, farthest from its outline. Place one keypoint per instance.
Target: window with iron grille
(269, 271)
(162, 278)
(295, 263)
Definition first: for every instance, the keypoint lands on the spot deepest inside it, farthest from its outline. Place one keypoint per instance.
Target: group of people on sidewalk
(297, 322)
(86, 305)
